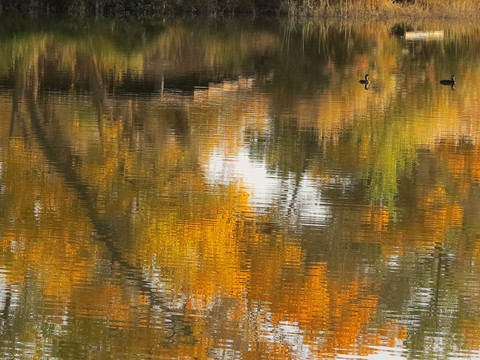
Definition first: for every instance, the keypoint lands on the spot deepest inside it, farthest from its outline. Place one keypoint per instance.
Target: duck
(448, 82)
(366, 81)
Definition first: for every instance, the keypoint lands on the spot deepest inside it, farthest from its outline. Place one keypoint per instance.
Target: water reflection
(226, 189)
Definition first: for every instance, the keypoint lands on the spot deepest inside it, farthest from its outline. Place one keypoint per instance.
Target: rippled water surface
(227, 189)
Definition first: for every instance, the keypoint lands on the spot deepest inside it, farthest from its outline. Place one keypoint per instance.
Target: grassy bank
(384, 8)
(304, 8)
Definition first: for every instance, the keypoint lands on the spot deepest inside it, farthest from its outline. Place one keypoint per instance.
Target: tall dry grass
(325, 7)
(449, 7)
(384, 8)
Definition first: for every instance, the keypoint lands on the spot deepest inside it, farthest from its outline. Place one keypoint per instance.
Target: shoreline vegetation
(294, 8)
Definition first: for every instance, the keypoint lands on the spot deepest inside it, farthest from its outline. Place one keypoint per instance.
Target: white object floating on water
(424, 35)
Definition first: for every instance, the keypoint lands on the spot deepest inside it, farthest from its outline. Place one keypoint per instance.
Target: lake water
(227, 189)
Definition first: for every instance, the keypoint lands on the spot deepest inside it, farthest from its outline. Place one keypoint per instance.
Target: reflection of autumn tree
(199, 247)
(432, 244)
(379, 129)
(227, 266)
(376, 137)
(44, 203)
(112, 165)
(117, 237)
